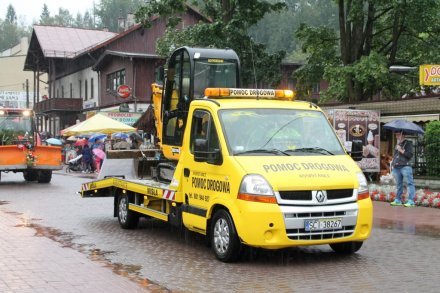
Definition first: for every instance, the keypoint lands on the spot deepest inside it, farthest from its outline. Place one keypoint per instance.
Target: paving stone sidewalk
(29, 263)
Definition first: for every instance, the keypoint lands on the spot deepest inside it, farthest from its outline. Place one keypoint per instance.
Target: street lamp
(398, 68)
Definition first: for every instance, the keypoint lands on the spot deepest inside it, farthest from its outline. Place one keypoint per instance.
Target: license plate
(323, 224)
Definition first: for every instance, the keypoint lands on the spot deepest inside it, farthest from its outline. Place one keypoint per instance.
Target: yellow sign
(429, 75)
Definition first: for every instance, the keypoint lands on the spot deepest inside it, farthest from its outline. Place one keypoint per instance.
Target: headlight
(256, 188)
(362, 190)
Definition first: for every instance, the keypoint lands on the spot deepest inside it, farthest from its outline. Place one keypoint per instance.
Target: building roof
(399, 108)
(68, 42)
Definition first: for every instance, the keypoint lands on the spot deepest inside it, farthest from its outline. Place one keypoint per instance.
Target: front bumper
(278, 226)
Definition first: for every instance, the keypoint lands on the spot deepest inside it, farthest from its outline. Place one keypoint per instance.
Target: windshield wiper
(313, 150)
(266, 151)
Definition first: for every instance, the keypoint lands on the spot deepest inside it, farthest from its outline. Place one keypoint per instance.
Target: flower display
(387, 193)
(31, 158)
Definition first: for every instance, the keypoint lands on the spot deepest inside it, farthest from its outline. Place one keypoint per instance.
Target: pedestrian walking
(401, 169)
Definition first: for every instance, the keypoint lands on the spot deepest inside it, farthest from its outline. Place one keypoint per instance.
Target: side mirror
(201, 153)
(356, 150)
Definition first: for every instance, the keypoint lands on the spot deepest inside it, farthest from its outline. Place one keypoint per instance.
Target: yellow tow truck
(245, 167)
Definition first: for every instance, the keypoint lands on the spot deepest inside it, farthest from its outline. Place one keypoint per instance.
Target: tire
(224, 238)
(127, 219)
(44, 176)
(346, 247)
(30, 175)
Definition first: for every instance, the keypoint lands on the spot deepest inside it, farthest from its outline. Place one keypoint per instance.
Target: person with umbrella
(403, 152)
(87, 159)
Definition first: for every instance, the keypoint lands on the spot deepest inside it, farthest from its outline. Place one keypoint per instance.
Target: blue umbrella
(54, 141)
(97, 136)
(404, 126)
(120, 135)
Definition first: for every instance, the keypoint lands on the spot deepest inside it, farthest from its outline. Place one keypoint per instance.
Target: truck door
(176, 98)
(203, 179)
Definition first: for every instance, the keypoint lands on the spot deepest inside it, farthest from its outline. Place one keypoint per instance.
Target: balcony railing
(59, 104)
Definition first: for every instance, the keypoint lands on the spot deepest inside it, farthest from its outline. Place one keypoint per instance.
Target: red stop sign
(124, 91)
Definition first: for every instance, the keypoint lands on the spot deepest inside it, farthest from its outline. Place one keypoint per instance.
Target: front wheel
(224, 238)
(127, 219)
(30, 175)
(346, 247)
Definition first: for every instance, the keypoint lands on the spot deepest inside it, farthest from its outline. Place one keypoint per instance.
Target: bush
(432, 148)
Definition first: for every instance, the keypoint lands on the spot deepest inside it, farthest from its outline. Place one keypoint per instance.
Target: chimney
(130, 20)
(121, 22)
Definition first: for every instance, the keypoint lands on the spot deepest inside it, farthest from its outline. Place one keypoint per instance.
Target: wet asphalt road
(392, 260)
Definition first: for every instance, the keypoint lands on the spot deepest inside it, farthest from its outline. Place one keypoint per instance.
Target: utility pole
(27, 93)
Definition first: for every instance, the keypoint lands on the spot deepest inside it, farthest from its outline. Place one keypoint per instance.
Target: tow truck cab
(271, 171)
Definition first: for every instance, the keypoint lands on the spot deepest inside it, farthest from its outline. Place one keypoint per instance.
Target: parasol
(119, 135)
(80, 142)
(97, 136)
(403, 126)
(54, 141)
(98, 123)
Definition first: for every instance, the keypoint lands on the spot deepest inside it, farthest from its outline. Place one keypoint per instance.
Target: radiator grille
(307, 194)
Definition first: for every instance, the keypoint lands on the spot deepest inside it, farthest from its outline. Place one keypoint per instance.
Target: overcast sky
(30, 10)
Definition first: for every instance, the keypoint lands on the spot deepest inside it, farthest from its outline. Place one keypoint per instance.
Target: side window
(203, 127)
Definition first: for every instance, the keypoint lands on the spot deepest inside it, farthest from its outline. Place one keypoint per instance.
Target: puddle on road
(66, 239)
(409, 228)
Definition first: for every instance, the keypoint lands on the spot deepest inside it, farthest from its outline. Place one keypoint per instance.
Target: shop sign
(429, 74)
(124, 91)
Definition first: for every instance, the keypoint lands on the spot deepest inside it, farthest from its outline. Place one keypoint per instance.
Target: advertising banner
(429, 74)
(361, 125)
(124, 117)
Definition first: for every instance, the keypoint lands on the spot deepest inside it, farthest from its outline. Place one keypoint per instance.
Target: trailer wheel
(127, 219)
(44, 176)
(346, 247)
(30, 175)
(224, 238)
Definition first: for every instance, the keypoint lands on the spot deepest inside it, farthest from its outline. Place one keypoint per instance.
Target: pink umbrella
(99, 153)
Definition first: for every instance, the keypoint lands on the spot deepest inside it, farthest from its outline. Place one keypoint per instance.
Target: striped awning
(412, 118)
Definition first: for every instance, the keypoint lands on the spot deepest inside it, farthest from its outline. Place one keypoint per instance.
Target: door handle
(186, 172)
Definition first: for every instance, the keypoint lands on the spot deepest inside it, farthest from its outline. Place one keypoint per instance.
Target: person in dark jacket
(403, 153)
(87, 159)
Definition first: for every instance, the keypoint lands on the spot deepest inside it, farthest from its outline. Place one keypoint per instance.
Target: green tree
(110, 10)
(88, 21)
(373, 34)
(432, 148)
(63, 18)
(277, 29)
(9, 32)
(11, 16)
(45, 17)
(230, 21)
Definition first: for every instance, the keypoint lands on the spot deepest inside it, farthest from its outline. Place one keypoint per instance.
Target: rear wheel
(127, 219)
(44, 176)
(30, 175)
(224, 238)
(346, 247)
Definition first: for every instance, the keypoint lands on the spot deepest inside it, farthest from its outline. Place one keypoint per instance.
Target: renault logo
(320, 196)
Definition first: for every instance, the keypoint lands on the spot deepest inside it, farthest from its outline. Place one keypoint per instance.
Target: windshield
(15, 125)
(278, 132)
(214, 73)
